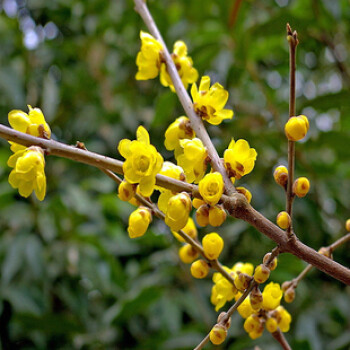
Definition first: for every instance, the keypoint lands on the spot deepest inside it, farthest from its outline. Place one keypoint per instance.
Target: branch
(279, 336)
(236, 204)
(196, 122)
(293, 41)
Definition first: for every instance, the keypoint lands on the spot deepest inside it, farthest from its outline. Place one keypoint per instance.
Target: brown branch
(234, 13)
(293, 41)
(236, 204)
(279, 336)
(196, 121)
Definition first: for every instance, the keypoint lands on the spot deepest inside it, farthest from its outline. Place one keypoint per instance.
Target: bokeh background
(70, 277)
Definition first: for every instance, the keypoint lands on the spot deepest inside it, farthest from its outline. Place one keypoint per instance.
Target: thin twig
(329, 250)
(234, 13)
(236, 205)
(292, 38)
(279, 336)
(196, 122)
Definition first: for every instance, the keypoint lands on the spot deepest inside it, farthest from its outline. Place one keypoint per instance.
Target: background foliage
(70, 276)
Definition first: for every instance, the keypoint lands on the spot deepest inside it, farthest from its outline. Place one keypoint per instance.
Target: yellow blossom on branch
(239, 158)
(28, 173)
(192, 159)
(142, 163)
(148, 60)
(184, 66)
(32, 123)
(178, 130)
(209, 102)
(139, 221)
(211, 187)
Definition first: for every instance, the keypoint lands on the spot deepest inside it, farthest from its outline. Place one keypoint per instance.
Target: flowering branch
(293, 41)
(236, 204)
(196, 122)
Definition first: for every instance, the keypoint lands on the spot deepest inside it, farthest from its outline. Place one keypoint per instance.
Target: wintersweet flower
(32, 123)
(142, 161)
(239, 158)
(139, 221)
(272, 296)
(28, 173)
(178, 130)
(183, 64)
(192, 159)
(178, 211)
(209, 102)
(148, 60)
(211, 187)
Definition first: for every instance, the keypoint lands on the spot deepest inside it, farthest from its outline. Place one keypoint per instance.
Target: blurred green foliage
(70, 276)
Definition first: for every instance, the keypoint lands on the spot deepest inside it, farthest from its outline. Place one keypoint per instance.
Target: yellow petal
(124, 148)
(204, 84)
(19, 120)
(142, 135)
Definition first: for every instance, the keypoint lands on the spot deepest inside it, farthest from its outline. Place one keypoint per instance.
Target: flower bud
(283, 220)
(247, 194)
(197, 202)
(221, 316)
(261, 274)
(139, 221)
(273, 263)
(178, 211)
(271, 325)
(296, 128)
(289, 295)
(218, 334)
(326, 252)
(281, 175)
(256, 298)
(202, 215)
(217, 215)
(301, 186)
(188, 254)
(200, 269)
(212, 245)
(126, 191)
(190, 230)
(347, 225)
(242, 281)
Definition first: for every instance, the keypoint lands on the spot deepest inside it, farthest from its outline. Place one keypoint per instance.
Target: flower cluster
(269, 314)
(28, 164)
(150, 62)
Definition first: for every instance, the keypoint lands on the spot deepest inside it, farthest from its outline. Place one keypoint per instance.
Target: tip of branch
(292, 36)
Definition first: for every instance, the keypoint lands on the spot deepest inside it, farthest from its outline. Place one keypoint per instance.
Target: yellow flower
(28, 172)
(272, 295)
(193, 159)
(184, 66)
(126, 191)
(178, 130)
(139, 221)
(199, 269)
(284, 319)
(32, 123)
(217, 215)
(142, 163)
(149, 58)
(245, 309)
(281, 175)
(187, 254)
(301, 186)
(178, 211)
(218, 334)
(246, 268)
(212, 245)
(296, 128)
(190, 229)
(209, 102)
(261, 273)
(283, 220)
(211, 187)
(239, 158)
